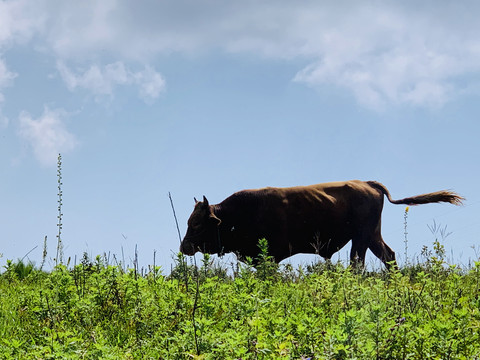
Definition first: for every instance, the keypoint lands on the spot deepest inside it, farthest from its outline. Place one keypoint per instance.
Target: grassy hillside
(99, 311)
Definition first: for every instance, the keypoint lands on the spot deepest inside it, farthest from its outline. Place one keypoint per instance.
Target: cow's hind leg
(382, 251)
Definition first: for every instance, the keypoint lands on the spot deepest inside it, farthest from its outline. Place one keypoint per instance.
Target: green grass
(98, 311)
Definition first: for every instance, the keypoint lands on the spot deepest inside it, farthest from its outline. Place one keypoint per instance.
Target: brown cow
(317, 219)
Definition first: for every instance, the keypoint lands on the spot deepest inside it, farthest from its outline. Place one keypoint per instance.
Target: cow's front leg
(357, 253)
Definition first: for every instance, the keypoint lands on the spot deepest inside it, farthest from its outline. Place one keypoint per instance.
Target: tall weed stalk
(59, 257)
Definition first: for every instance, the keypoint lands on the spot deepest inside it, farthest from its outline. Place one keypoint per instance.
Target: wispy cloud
(383, 53)
(6, 79)
(6, 76)
(101, 81)
(393, 55)
(150, 83)
(18, 23)
(20, 20)
(47, 135)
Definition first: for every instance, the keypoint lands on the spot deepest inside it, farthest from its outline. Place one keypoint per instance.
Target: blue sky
(208, 98)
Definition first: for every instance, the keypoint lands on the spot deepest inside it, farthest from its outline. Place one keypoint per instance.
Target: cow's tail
(434, 197)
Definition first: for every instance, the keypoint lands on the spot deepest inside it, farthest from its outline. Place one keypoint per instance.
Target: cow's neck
(231, 234)
(224, 229)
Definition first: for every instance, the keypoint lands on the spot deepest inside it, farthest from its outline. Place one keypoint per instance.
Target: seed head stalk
(59, 258)
(405, 233)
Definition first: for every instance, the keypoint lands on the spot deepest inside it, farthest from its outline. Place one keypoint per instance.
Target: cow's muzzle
(187, 248)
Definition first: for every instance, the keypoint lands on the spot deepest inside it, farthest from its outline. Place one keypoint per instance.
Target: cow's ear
(205, 201)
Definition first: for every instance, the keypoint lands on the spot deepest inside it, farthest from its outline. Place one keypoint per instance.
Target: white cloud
(20, 20)
(383, 53)
(3, 121)
(47, 136)
(151, 83)
(395, 55)
(6, 76)
(6, 79)
(415, 76)
(101, 81)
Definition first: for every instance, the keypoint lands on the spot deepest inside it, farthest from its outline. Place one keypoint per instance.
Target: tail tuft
(451, 197)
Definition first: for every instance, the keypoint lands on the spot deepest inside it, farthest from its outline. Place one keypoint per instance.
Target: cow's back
(325, 205)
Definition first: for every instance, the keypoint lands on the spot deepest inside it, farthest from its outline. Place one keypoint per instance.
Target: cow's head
(202, 233)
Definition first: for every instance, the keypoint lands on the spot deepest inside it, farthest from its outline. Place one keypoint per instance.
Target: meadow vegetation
(102, 309)
(99, 310)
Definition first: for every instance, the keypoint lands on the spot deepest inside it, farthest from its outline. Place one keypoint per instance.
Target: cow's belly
(322, 239)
